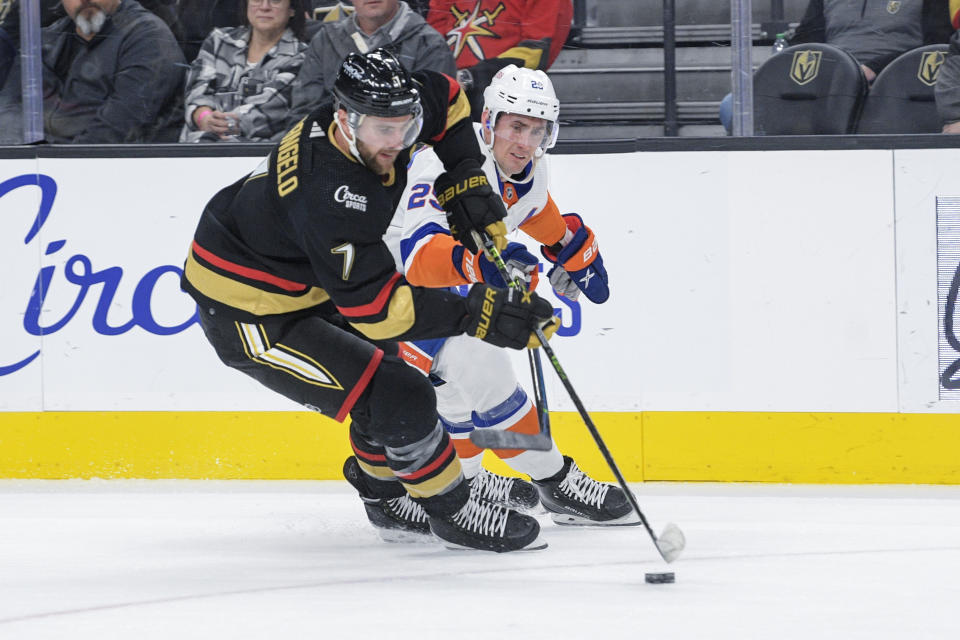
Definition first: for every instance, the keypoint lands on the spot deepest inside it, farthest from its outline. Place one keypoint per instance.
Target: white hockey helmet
(525, 92)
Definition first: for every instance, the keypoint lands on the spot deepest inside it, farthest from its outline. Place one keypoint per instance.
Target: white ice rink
(168, 559)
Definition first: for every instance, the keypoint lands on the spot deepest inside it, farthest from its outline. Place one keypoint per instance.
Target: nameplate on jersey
(288, 159)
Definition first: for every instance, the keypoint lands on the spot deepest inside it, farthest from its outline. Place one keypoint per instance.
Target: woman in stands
(238, 88)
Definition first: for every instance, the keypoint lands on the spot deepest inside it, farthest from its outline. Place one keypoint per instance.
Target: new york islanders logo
(471, 25)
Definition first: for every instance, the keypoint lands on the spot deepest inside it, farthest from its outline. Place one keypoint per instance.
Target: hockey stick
(496, 439)
(536, 374)
(671, 542)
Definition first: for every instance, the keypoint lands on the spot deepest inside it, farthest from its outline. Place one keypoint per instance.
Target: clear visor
(387, 133)
(533, 133)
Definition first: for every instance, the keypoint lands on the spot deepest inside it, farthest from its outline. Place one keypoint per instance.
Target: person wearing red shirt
(487, 35)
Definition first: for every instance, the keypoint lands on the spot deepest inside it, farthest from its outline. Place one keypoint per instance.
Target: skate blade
(396, 536)
(569, 520)
(536, 544)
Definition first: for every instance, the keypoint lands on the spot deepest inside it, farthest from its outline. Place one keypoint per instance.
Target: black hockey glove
(508, 317)
(471, 205)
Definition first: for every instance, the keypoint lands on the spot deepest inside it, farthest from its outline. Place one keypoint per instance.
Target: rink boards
(775, 316)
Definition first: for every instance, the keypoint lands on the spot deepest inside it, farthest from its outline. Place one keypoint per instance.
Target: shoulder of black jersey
(321, 118)
(445, 105)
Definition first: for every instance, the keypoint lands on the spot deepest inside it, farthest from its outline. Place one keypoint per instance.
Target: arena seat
(901, 98)
(808, 89)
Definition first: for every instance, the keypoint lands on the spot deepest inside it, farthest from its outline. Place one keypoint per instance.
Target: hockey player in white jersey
(475, 384)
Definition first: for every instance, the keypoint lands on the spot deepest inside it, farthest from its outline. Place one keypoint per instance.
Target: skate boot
(395, 519)
(509, 492)
(572, 497)
(489, 527)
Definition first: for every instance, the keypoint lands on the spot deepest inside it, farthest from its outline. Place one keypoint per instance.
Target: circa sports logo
(350, 200)
(78, 273)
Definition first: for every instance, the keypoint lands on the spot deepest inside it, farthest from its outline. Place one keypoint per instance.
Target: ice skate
(489, 527)
(509, 492)
(574, 498)
(395, 519)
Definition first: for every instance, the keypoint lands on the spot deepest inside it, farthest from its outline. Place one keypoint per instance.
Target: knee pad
(400, 406)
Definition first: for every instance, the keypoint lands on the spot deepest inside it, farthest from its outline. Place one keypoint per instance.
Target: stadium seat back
(808, 89)
(901, 99)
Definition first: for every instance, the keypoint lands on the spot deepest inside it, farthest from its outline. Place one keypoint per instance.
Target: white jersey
(419, 217)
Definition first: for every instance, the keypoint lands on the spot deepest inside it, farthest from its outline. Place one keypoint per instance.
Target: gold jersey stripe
(531, 57)
(437, 484)
(376, 471)
(401, 315)
(459, 110)
(247, 297)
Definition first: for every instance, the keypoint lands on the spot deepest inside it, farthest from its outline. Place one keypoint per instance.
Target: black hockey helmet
(376, 84)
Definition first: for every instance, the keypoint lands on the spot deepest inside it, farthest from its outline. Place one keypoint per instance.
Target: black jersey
(303, 233)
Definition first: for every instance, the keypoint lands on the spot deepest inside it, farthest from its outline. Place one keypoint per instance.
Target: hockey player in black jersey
(296, 289)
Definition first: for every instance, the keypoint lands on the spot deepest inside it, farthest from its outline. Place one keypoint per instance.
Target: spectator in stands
(51, 10)
(112, 72)
(874, 33)
(322, 8)
(200, 17)
(947, 89)
(390, 24)
(239, 86)
(487, 35)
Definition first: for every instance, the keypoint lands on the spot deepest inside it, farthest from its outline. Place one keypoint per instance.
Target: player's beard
(90, 26)
(372, 160)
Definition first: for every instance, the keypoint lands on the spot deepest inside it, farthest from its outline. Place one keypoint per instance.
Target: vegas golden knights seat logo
(805, 66)
(893, 6)
(930, 67)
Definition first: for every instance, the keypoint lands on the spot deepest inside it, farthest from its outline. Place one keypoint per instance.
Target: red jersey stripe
(247, 272)
(370, 457)
(359, 386)
(442, 459)
(374, 307)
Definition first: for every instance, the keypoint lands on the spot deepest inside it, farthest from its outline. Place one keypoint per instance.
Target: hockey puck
(659, 578)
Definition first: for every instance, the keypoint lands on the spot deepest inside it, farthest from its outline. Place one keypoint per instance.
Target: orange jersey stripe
(465, 448)
(432, 266)
(415, 358)
(546, 226)
(528, 424)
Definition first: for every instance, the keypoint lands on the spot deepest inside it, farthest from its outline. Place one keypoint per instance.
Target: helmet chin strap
(350, 135)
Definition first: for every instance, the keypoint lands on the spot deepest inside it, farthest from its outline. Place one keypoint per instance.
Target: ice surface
(181, 559)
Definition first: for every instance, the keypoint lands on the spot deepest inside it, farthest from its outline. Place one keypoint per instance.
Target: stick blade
(491, 439)
(671, 542)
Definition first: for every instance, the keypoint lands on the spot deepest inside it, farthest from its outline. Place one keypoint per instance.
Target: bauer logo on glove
(507, 317)
(473, 182)
(578, 265)
(471, 205)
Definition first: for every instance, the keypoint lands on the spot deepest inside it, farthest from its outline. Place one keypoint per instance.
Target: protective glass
(529, 132)
(391, 133)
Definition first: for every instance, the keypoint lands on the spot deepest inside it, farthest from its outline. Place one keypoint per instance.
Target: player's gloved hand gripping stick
(671, 541)
(470, 204)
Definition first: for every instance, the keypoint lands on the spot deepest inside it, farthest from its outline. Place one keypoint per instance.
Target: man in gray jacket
(112, 73)
(874, 32)
(390, 24)
(947, 89)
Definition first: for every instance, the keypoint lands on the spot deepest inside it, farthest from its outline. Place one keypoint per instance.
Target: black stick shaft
(493, 254)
